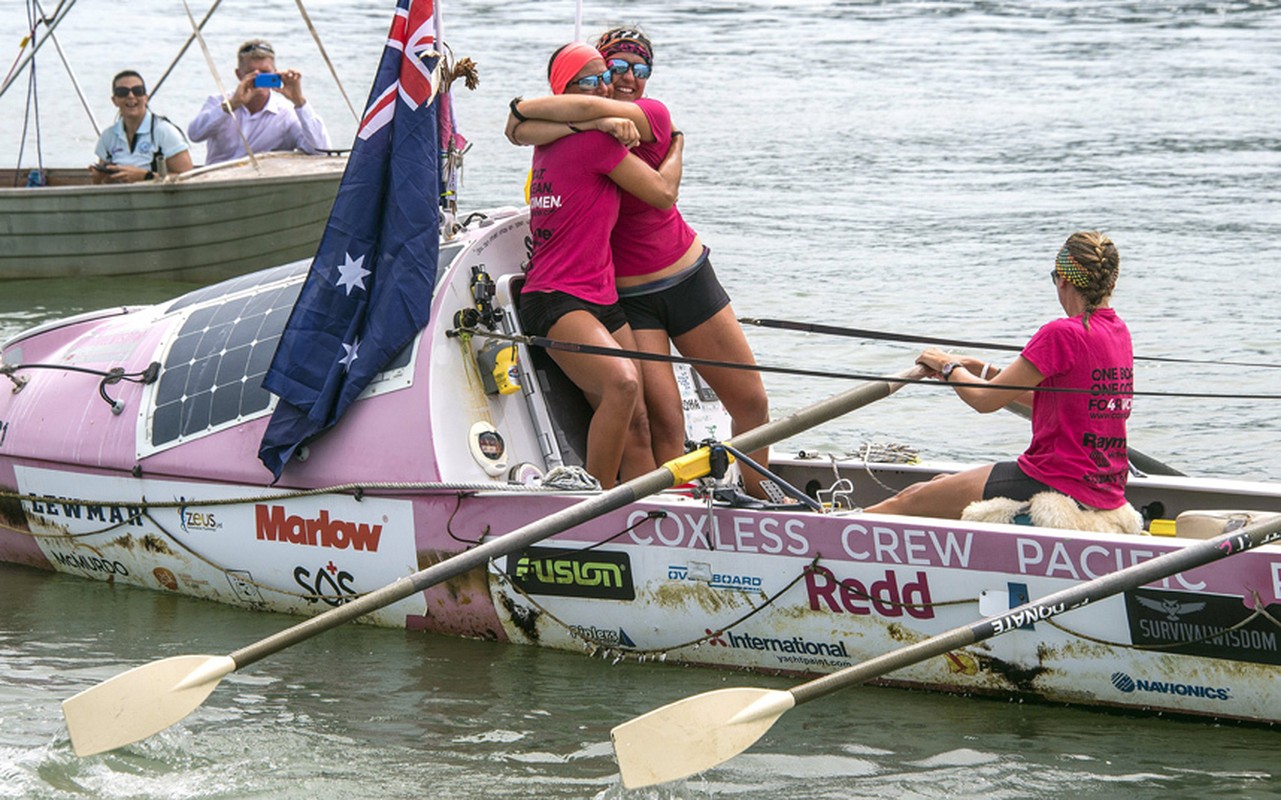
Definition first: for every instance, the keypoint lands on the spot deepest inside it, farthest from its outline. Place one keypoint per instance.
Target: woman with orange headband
(1078, 443)
(665, 279)
(569, 292)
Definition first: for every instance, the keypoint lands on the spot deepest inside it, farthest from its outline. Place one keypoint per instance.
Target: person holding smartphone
(267, 109)
(140, 145)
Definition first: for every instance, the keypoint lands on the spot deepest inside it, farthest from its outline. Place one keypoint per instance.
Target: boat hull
(207, 225)
(666, 579)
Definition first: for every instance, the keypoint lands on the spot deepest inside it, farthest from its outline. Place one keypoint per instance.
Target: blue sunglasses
(591, 81)
(620, 67)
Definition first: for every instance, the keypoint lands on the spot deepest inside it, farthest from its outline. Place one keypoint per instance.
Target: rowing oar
(147, 699)
(1139, 459)
(700, 732)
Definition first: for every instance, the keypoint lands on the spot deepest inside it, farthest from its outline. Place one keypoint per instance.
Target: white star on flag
(351, 274)
(353, 351)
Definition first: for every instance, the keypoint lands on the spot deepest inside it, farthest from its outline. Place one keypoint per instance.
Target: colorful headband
(622, 40)
(568, 62)
(1070, 270)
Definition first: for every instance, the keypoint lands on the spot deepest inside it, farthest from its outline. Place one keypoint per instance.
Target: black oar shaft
(1194, 555)
(863, 333)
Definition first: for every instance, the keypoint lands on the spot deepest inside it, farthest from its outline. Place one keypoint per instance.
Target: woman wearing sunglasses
(139, 143)
(665, 280)
(569, 292)
(1086, 362)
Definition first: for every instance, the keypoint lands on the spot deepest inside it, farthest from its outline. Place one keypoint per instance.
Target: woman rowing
(665, 280)
(569, 292)
(1086, 362)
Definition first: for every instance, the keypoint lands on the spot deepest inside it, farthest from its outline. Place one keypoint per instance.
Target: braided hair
(1090, 263)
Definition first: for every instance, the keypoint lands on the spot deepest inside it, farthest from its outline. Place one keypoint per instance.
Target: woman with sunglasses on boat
(1078, 443)
(141, 144)
(569, 292)
(665, 280)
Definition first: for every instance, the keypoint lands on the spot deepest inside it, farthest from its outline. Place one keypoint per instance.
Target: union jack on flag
(369, 289)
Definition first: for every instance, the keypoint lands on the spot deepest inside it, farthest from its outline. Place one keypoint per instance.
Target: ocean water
(908, 167)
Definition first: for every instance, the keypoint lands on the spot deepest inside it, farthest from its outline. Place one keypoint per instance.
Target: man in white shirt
(266, 118)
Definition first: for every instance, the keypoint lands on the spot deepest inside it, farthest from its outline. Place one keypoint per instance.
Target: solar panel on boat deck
(237, 285)
(213, 372)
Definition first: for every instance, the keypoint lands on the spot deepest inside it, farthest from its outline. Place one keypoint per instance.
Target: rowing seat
(1054, 510)
(1209, 524)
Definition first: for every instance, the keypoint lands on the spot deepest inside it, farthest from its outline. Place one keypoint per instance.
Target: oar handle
(685, 468)
(1159, 568)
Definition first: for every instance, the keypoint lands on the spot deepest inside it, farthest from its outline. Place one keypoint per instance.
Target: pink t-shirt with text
(647, 239)
(1078, 440)
(573, 206)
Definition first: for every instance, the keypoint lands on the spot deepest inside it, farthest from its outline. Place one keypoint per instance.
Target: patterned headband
(626, 41)
(1070, 270)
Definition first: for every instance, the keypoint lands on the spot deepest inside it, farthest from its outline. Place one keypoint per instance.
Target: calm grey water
(899, 166)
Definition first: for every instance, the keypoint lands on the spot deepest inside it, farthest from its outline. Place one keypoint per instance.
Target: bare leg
(662, 397)
(611, 385)
(945, 496)
(638, 455)
(741, 391)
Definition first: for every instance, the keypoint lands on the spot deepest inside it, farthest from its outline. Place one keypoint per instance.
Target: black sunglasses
(256, 46)
(620, 67)
(125, 91)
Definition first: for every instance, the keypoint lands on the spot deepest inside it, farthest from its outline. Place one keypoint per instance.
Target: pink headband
(568, 62)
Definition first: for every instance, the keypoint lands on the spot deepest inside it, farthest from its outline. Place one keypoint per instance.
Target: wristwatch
(947, 370)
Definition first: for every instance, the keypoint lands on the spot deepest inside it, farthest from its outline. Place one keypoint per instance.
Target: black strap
(158, 156)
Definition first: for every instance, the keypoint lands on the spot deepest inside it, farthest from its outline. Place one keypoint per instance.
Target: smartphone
(268, 80)
(101, 167)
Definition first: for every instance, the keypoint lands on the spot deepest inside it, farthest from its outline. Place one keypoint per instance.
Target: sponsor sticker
(792, 650)
(1129, 685)
(564, 572)
(716, 580)
(1202, 625)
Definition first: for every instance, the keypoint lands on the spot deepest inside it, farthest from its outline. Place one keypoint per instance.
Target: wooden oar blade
(145, 700)
(694, 734)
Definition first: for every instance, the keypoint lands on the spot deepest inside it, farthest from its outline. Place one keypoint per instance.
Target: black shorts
(681, 307)
(1009, 480)
(539, 311)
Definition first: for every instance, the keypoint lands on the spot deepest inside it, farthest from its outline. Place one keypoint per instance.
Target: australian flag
(369, 289)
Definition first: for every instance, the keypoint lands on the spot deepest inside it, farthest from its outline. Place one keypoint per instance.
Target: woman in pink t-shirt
(665, 280)
(569, 292)
(1078, 443)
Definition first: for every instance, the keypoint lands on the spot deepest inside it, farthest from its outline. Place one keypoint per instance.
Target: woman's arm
(658, 187)
(177, 164)
(576, 107)
(539, 132)
(987, 371)
(974, 390)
